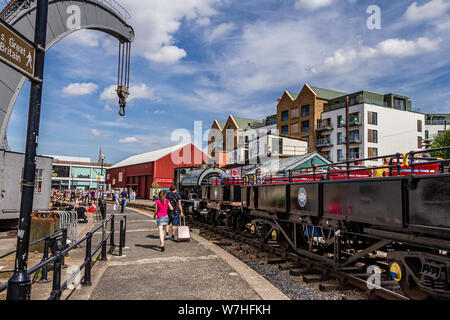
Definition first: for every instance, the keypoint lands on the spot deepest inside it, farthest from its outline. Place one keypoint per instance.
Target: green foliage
(441, 141)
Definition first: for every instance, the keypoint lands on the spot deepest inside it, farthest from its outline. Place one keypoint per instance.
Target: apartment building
(377, 125)
(435, 124)
(297, 114)
(227, 136)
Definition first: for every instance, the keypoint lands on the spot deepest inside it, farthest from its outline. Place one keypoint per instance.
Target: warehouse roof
(149, 156)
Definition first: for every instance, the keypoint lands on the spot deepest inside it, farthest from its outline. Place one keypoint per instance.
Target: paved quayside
(186, 270)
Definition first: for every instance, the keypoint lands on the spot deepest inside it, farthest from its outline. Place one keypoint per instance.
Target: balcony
(323, 125)
(355, 139)
(324, 142)
(355, 122)
(437, 122)
(342, 140)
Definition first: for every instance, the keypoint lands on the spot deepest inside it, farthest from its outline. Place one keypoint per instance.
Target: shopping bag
(183, 232)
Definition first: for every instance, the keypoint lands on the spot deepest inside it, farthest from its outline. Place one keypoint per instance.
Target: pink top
(162, 208)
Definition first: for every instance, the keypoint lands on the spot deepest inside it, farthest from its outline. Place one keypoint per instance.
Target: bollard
(121, 237)
(64, 234)
(45, 257)
(56, 286)
(103, 256)
(125, 231)
(111, 243)
(87, 269)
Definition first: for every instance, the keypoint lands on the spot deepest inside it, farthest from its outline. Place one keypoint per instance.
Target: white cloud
(80, 89)
(345, 60)
(159, 111)
(128, 140)
(85, 38)
(429, 10)
(141, 91)
(312, 5)
(167, 54)
(95, 133)
(156, 21)
(221, 31)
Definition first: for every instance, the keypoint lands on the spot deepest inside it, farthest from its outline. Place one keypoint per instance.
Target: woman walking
(162, 206)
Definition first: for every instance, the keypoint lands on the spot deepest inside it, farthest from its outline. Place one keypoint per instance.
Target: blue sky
(204, 59)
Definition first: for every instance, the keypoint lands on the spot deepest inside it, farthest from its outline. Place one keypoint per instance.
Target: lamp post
(102, 175)
(19, 285)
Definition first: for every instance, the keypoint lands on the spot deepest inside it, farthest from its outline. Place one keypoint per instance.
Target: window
(340, 138)
(294, 128)
(38, 181)
(97, 172)
(354, 136)
(305, 126)
(373, 152)
(341, 121)
(399, 104)
(61, 171)
(419, 125)
(81, 172)
(419, 142)
(285, 116)
(327, 154)
(285, 130)
(305, 111)
(440, 132)
(354, 153)
(305, 137)
(340, 155)
(373, 118)
(294, 113)
(373, 136)
(354, 118)
(427, 134)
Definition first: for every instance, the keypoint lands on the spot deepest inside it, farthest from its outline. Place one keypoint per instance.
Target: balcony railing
(355, 122)
(324, 125)
(437, 122)
(325, 142)
(353, 139)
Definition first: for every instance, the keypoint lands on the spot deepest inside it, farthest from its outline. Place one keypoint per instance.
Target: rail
(57, 245)
(394, 165)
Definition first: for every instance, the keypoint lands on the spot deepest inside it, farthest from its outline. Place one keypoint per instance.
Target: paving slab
(194, 270)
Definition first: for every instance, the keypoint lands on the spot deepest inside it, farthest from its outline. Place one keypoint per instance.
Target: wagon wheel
(410, 288)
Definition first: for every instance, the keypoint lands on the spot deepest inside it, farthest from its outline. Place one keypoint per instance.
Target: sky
(200, 60)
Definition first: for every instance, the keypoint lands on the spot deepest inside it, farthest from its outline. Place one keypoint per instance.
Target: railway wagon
(345, 217)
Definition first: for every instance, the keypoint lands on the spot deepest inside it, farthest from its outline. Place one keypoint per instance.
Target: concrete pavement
(196, 270)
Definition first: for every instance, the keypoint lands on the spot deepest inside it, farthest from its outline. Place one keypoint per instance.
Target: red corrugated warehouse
(140, 171)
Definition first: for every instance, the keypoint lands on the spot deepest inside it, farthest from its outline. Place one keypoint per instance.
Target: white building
(436, 124)
(77, 173)
(374, 129)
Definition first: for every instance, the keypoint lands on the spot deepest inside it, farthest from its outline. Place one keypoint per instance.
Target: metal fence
(56, 244)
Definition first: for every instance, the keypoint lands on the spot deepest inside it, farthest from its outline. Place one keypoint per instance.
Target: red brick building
(139, 172)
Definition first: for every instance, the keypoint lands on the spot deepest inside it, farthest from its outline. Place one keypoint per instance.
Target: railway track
(301, 266)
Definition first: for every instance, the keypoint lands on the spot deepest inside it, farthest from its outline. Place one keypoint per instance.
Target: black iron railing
(56, 244)
(393, 165)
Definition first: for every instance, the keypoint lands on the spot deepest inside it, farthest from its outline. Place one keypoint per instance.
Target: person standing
(175, 200)
(115, 196)
(124, 195)
(162, 217)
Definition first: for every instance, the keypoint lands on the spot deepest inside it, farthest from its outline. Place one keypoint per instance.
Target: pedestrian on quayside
(162, 216)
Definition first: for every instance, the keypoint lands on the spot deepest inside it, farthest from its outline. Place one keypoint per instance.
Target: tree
(441, 141)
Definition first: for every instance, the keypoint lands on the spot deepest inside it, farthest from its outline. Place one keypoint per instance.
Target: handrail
(345, 170)
(33, 243)
(58, 257)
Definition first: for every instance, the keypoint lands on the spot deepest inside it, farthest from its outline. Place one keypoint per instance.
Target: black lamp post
(19, 285)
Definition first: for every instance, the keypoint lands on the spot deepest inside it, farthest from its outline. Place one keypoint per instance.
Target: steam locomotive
(343, 215)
